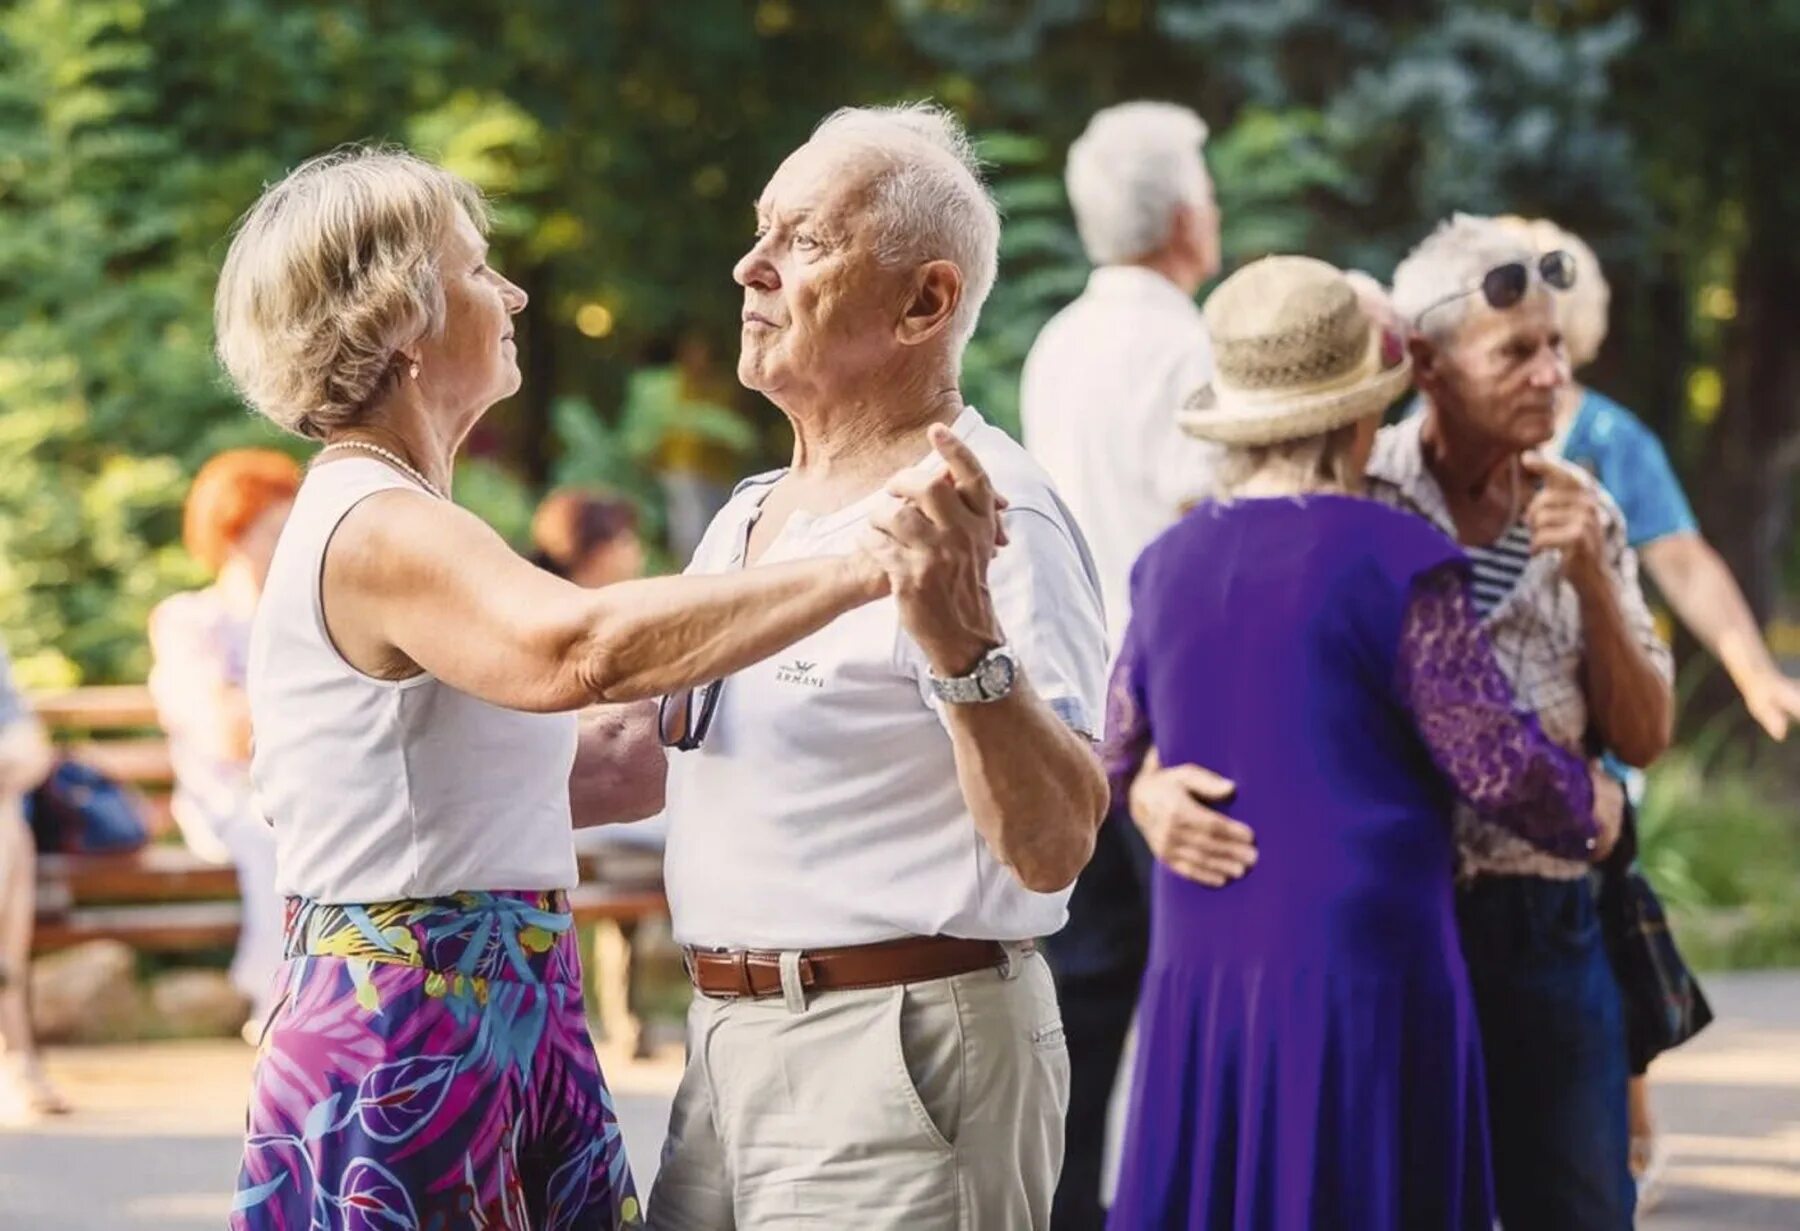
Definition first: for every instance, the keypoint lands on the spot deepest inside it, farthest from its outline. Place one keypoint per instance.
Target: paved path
(154, 1147)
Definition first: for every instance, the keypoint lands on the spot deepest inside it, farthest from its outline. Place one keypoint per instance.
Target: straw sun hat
(1295, 356)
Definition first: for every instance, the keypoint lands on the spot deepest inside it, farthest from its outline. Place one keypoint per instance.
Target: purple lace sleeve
(1127, 739)
(1498, 759)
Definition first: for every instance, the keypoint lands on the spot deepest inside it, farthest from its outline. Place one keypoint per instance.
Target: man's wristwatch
(990, 679)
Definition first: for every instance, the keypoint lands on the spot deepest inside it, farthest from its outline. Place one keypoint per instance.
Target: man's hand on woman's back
(1170, 807)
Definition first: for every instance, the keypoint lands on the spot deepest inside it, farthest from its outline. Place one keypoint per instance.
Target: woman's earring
(413, 371)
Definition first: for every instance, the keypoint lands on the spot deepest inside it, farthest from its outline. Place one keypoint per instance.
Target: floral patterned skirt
(428, 1068)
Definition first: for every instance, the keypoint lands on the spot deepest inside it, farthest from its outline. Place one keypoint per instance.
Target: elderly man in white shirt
(868, 832)
(1100, 390)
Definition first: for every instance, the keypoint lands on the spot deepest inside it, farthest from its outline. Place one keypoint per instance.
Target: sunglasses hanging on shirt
(683, 718)
(1504, 286)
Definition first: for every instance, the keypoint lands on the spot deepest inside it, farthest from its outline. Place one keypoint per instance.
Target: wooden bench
(165, 899)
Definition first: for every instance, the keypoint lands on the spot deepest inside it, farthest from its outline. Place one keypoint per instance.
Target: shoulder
(1067, 319)
(1383, 524)
(184, 614)
(718, 544)
(1612, 437)
(758, 482)
(1045, 536)
(1015, 473)
(1606, 419)
(1402, 543)
(1396, 449)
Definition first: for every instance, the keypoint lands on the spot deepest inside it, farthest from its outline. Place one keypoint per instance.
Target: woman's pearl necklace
(387, 455)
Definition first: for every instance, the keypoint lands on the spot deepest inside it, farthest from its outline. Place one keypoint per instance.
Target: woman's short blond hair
(1582, 308)
(1316, 463)
(329, 275)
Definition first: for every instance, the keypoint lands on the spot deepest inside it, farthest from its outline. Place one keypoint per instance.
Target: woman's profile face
(474, 362)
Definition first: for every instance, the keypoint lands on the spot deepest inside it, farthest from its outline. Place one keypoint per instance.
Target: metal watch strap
(967, 689)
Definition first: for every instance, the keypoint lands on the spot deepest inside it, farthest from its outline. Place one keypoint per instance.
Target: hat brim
(1218, 413)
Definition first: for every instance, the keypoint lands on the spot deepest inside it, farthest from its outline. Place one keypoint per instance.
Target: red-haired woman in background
(588, 536)
(200, 641)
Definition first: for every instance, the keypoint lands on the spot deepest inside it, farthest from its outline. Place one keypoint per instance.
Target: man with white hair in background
(868, 833)
(1098, 402)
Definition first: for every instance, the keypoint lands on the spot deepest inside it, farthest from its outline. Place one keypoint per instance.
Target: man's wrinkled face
(818, 304)
(1499, 374)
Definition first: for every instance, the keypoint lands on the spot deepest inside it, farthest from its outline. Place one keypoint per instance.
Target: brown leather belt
(754, 973)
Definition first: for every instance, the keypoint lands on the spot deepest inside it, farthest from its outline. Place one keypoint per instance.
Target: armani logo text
(799, 672)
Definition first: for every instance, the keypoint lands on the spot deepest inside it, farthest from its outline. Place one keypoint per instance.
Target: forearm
(1628, 697)
(668, 633)
(620, 766)
(25, 757)
(1035, 788)
(1706, 598)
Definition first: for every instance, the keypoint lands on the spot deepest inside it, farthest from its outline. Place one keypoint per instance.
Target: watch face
(996, 676)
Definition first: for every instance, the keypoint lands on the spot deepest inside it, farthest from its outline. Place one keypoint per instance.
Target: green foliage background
(624, 139)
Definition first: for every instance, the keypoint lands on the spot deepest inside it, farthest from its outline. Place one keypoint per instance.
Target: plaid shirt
(1537, 637)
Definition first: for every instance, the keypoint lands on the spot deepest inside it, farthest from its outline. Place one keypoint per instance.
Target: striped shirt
(1498, 567)
(1535, 629)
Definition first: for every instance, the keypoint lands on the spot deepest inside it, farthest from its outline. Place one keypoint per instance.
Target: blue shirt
(1618, 449)
(1615, 446)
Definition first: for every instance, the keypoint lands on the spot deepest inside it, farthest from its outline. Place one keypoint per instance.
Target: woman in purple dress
(1308, 1054)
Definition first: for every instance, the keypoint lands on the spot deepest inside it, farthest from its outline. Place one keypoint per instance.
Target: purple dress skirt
(1308, 1054)
(428, 1068)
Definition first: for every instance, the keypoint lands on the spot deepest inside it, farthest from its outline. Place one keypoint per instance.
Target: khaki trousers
(936, 1106)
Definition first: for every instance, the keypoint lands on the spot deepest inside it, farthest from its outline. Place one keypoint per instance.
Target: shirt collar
(757, 489)
(1143, 285)
(1398, 462)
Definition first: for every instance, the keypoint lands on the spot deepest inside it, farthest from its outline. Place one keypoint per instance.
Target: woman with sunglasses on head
(412, 684)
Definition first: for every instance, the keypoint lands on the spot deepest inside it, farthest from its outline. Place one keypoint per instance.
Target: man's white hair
(929, 199)
(1135, 164)
(1582, 308)
(1442, 276)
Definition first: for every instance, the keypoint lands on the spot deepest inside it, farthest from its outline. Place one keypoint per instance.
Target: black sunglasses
(1505, 285)
(684, 718)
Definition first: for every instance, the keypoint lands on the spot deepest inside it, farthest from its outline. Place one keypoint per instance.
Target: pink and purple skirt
(428, 1068)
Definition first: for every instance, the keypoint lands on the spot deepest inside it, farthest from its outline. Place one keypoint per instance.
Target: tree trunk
(1754, 446)
(1751, 454)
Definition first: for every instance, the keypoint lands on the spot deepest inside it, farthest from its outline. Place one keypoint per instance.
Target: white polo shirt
(1098, 400)
(823, 808)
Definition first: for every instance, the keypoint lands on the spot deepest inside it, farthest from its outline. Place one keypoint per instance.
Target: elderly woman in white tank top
(412, 684)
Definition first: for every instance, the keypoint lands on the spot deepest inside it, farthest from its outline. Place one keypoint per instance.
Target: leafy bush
(1722, 847)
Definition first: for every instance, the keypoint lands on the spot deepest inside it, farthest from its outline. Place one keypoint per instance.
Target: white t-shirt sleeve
(1182, 467)
(1048, 604)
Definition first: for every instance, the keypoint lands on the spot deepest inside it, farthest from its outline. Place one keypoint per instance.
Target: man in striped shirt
(1558, 584)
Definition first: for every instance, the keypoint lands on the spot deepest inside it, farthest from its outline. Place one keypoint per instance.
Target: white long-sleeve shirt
(1101, 388)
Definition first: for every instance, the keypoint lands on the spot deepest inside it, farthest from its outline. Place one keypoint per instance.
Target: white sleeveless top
(382, 789)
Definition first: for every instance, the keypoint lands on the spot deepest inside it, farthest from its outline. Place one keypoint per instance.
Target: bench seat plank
(154, 874)
(109, 707)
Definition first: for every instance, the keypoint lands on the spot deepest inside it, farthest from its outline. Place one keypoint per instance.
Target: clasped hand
(935, 546)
